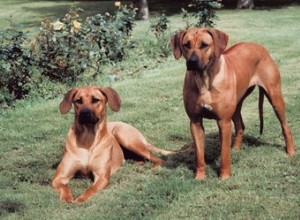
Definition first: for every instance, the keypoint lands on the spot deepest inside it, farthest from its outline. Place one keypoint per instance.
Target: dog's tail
(260, 108)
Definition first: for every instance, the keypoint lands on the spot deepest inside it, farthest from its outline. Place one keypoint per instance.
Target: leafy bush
(187, 17)
(61, 48)
(62, 51)
(110, 34)
(16, 67)
(69, 47)
(159, 46)
(205, 12)
(161, 26)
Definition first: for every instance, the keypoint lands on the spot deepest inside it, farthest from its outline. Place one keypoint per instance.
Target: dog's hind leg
(271, 83)
(239, 127)
(237, 119)
(274, 96)
(141, 149)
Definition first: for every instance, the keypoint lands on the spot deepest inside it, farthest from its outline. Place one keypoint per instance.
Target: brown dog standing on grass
(216, 83)
(93, 145)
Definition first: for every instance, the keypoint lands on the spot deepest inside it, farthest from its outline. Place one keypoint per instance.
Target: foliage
(159, 46)
(61, 49)
(161, 26)
(125, 19)
(69, 47)
(110, 34)
(205, 12)
(16, 68)
(187, 17)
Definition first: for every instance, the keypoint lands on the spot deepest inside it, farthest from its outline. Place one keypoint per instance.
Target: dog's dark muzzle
(193, 63)
(86, 116)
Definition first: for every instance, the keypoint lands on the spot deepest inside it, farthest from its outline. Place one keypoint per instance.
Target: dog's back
(251, 63)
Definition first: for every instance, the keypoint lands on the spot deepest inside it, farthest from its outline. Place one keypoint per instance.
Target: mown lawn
(265, 183)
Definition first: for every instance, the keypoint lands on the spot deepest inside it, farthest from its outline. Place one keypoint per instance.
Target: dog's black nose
(86, 116)
(85, 112)
(193, 63)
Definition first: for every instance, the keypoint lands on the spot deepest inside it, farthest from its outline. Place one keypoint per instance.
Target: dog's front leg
(64, 189)
(101, 180)
(225, 142)
(198, 134)
(64, 173)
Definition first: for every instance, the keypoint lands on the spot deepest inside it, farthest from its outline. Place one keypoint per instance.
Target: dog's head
(90, 103)
(199, 46)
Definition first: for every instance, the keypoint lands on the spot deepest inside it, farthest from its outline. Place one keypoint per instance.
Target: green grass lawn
(265, 183)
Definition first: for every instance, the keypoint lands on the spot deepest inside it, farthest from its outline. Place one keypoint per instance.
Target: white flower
(57, 26)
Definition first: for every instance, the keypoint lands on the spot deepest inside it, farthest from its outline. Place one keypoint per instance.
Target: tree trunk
(245, 4)
(143, 10)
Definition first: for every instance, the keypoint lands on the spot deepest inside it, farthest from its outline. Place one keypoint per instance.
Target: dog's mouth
(87, 117)
(193, 64)
(194, 67)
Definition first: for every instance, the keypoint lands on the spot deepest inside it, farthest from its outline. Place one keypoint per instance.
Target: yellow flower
(76, 24)
(117, 4)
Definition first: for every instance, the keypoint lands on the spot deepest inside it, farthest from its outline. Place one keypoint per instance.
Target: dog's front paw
(80, 199)
(66, 198)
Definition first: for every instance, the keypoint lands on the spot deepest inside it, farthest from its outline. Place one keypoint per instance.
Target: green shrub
(159, 46)
(61, 48)
(61, 53)
(187, 17)
(70, 47)
(161, 26)
(205, 12)
(110, 34)
(16, 65)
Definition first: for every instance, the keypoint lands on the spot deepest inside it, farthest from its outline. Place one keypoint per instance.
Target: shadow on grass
(186, 155)
(8, 207)
(251, 141)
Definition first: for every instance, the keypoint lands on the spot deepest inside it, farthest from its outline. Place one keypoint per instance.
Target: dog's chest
(84, 156)
(200, 106)
(208, 96)
(89, 160)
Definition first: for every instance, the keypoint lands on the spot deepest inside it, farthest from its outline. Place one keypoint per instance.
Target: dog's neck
(88, 135)
(204, 79)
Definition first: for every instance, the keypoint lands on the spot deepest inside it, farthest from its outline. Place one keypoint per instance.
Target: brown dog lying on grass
(95, 146)
(217, 81)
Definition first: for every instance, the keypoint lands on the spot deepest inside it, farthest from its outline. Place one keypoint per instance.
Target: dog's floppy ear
(113, 98)
(176, 44)
(220, 40)
(66, 103)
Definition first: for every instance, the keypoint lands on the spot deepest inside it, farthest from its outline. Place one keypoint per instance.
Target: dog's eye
(95, 100)
(78, 101)
(187, 44)
(204, 45)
